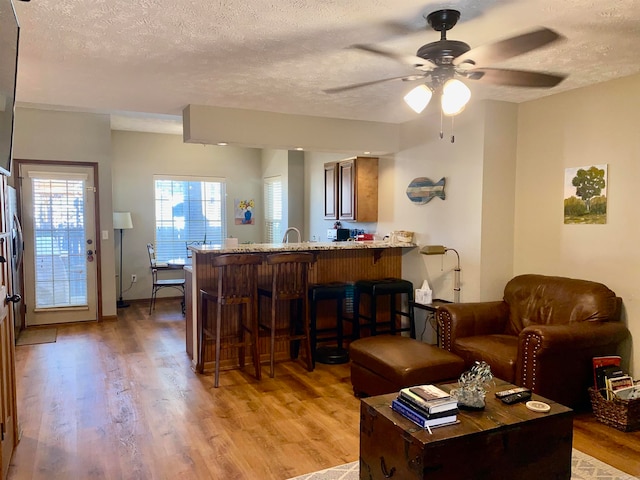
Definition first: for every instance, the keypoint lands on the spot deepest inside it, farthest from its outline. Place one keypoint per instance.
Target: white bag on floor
(424, 294)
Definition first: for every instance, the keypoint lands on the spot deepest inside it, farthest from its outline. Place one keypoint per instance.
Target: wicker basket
(621, 414)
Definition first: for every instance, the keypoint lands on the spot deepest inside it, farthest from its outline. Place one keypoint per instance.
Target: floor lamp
(121, 221)
(441, 250)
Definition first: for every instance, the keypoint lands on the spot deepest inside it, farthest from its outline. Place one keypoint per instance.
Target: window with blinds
(59, 230)
(273, 209)
(188, 209)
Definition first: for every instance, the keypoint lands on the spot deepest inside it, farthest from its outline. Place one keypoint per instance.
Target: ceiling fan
(444, 60)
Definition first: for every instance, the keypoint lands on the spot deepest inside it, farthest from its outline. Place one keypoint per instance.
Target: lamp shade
(418, 98)
(433, 250)
(122, 220)
(455, 96)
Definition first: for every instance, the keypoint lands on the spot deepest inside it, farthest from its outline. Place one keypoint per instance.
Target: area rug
(35, 336)
(583, 467)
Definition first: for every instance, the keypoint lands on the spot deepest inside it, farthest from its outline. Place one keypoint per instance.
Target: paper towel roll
(230, 242)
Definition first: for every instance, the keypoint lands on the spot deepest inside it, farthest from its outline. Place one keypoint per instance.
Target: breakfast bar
(333, 262)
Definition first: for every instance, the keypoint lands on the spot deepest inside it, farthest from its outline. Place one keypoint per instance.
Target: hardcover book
(598, 366)
(429, 392)
(439, 403)
(453, 410)
(617, 383)
(419, 419)
(605, 373)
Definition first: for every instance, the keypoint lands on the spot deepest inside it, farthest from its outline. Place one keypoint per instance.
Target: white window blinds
(273, 209)
(188, 209)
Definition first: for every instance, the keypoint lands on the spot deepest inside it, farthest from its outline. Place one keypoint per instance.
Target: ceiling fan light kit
(455, 96)
(418, 98)
(439, 63)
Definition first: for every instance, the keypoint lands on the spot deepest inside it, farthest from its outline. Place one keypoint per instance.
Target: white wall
(74, 137)
(593, 125)
(139, 156)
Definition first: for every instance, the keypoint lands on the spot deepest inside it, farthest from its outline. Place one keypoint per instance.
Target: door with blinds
(60, 256)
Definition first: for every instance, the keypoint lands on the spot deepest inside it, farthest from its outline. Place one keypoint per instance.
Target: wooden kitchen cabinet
(331, 191)
(358, 189)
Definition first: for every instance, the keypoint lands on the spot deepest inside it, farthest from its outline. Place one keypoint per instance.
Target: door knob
(13, 298)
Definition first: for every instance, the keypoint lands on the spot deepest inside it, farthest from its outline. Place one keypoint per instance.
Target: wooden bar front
(332, 264)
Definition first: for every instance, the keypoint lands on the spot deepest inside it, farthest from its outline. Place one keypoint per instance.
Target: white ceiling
(144, 58)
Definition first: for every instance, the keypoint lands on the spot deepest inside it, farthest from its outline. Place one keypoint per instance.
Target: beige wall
(504, 173)
(75, 137)
(139, 156)
(276, 163)
(295, 194)
(455, 222)
(204, 124)
(498, 198)
(594, 125)
(316, 225)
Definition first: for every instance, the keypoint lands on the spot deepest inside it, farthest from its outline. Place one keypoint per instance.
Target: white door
(60, 248)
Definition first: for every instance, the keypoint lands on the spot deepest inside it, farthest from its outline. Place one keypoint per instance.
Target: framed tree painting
(585, 194)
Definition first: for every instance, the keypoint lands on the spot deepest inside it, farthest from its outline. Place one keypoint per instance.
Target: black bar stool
(377, 288)
(236, 287)
(289, 283)
(332, 355)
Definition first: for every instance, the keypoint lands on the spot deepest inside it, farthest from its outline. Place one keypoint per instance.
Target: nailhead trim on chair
(445, 329)
(530, 366)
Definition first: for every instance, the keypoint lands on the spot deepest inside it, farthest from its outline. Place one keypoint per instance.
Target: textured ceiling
(157, 56)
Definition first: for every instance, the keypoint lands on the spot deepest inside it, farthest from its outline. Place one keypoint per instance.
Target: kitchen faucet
(286, 234)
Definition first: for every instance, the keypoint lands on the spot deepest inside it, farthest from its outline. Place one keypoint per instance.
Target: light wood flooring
(118, 400)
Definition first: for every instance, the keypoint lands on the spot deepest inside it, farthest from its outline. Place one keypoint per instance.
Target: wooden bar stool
(237, 286)
(289, 283)
(378, 288)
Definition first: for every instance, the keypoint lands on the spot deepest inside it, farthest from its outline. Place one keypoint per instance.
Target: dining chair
(195, 243)
(158, 284)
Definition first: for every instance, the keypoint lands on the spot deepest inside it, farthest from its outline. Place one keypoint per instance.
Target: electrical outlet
(134, 278)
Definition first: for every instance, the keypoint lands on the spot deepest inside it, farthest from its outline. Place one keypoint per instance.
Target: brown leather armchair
(542, 335)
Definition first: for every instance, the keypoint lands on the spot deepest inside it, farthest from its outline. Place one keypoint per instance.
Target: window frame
(176, 248)
(272, 235)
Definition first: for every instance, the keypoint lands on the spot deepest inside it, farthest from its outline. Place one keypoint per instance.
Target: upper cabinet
(331, 191)
(351, 190)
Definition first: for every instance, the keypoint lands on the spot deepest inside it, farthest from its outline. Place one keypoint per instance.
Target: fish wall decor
(422, 189)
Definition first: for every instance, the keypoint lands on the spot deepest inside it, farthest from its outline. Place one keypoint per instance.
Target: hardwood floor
(119, 400)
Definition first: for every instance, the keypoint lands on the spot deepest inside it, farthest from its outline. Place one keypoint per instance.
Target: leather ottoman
(387, 363)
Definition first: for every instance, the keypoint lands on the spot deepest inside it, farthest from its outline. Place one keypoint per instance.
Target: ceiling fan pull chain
(441, 125)
(453, 137)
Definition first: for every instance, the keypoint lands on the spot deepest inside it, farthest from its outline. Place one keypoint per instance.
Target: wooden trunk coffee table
(499, 442)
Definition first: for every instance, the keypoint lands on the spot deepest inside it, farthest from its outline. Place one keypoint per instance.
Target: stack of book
(426, 405)
(610, 378)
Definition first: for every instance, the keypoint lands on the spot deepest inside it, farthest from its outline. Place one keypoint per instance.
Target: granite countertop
(299, 247)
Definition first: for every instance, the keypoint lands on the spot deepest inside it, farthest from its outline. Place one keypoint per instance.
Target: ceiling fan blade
(412, 60)
(508, 48)
(513, 78)
(406, 78)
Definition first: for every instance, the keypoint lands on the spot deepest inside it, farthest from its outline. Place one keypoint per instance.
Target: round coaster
(537, 406)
